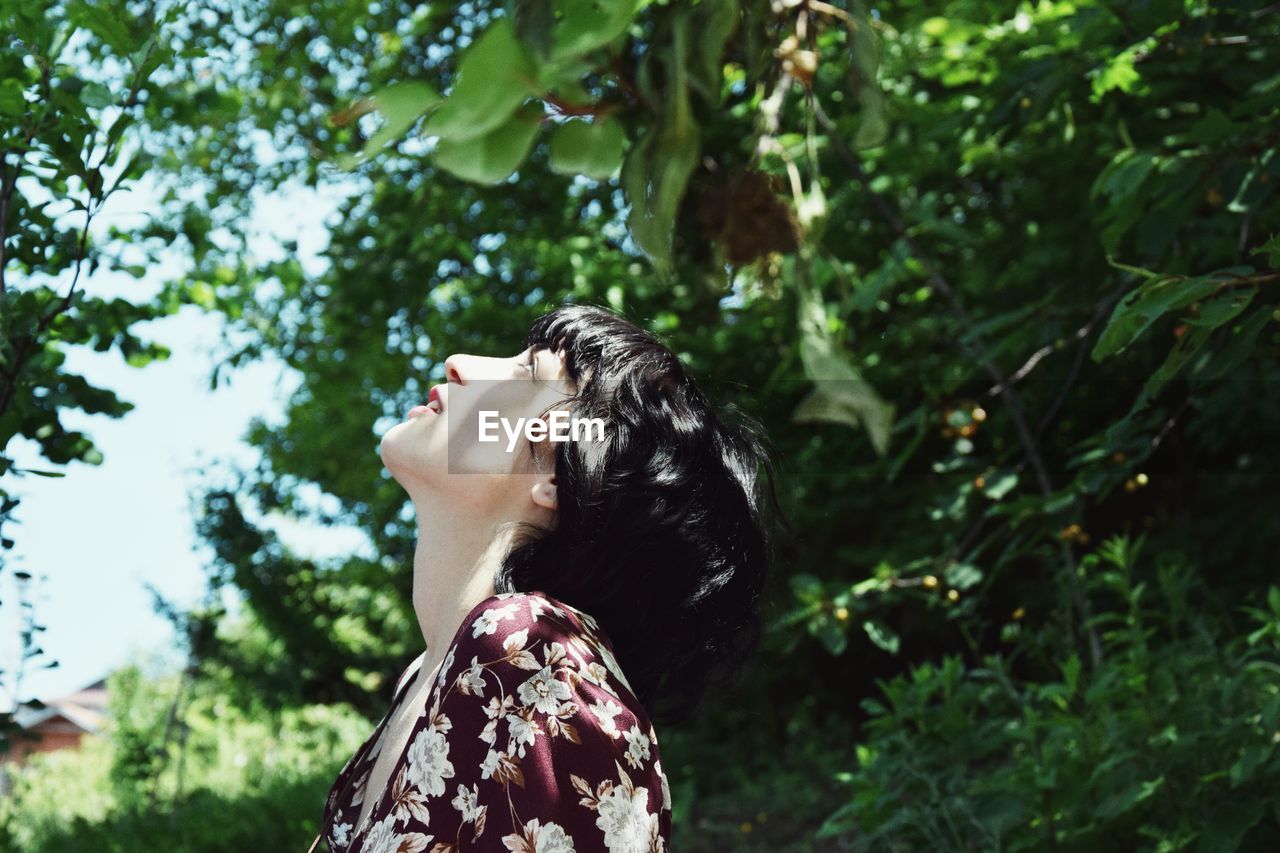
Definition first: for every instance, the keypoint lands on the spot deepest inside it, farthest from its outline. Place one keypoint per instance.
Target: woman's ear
(544, 492)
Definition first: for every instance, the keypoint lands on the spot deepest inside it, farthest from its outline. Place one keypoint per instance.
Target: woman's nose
(461, 368)
(454, 369)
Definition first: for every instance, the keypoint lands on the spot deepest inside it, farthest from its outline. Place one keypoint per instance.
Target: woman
(568, 592)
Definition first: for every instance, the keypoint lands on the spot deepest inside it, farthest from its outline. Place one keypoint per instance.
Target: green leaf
(96, 95)
(1001, 487)
(1215, 313)
(1119, 803)
(585, 25)
(1117, 73)
(1240, 344)
(840, 394)
(882, 636)
(807, 588)
(534, 22)
(1225, 829)
(593, 148)
(656, 172)
(110, 29)
(1271, 249)
(1224, 308)
(1071, 673)
(492, 158)
(873, 124)
(1190, 343)
(12, 103)
(495, 76)
(1273, 599)
(963, 575)
(1144, 305)
(122, 123)
(401, 104)
(715, 21)
(830, 632)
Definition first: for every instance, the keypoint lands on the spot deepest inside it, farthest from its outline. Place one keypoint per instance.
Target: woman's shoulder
(536, 618)
(553, 658)
(534, 700)
(526, 608)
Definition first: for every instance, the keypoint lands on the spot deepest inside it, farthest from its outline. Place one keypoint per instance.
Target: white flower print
(489, 734)
(523, 678)
(589, 621)
(637, 746)
(577, 648)
(666, 789)
(533, 838)
(487, 622)
(544, 691)
(513, 645)
(445, 666)
(553, 653)
(516, 639)
(522, 732)
(471, 682)
(605, 712)
(538, 605)
(496, 708)
(591, 671)
(612, 663)
(429, 762)
(625, 820)
(490, 764)
(466, 802)
(382, 836)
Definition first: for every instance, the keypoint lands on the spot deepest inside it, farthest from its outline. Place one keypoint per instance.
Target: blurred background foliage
(1000, 279)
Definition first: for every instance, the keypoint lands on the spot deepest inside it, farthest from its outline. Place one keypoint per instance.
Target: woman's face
(462, 444)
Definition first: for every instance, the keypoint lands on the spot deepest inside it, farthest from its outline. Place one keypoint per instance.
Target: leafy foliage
(1000, 281)
(1172, 739)
(63, 153)
(224, 777)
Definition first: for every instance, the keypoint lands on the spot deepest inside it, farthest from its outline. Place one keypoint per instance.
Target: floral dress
(532, 740)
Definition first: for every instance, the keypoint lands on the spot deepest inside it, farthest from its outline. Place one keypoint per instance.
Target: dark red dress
(531, 740)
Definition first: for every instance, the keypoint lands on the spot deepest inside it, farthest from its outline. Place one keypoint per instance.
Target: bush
(222, 779)
(1170, 744)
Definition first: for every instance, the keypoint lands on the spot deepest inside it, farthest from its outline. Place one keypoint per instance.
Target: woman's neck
(454, 563)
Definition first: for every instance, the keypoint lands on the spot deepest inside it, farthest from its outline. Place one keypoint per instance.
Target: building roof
(86, 709)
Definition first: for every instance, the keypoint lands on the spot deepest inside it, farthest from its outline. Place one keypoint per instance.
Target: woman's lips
(434, 404)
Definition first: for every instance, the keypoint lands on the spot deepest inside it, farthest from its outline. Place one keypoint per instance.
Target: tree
(1030, 256)
(73, 77)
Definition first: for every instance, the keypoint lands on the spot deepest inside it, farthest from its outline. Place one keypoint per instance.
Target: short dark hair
(663, 531)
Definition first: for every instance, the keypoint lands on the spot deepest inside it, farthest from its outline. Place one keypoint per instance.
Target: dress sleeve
(532, 739)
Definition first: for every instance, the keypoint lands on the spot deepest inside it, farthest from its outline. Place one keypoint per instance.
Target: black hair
(663, 530)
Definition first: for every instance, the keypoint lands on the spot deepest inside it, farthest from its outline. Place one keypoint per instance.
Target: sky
(100, 532)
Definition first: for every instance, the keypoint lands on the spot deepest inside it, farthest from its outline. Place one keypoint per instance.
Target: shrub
(1169, 744)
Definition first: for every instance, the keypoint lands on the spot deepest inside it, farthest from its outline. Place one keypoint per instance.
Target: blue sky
(101, 531)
